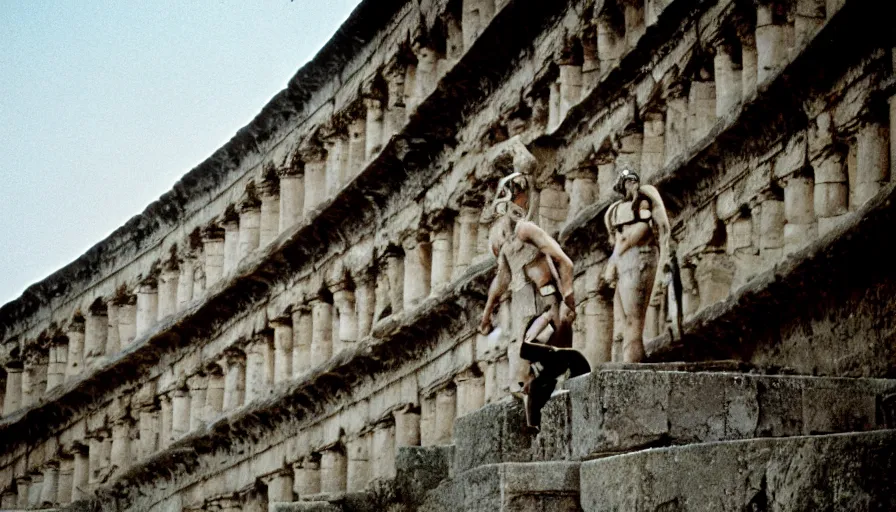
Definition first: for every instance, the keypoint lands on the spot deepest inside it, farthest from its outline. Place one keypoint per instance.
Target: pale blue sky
(104, 105)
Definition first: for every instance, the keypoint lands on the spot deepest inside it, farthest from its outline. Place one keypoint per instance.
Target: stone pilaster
(303, 338)
(12, 400)
(292, 197)
(270, 213)
(250, 227)
(75, 357)
(213, 247)
(283, 349)
(96, 334)
(147, 307)
(234, 379)
(417, 269)
(333, 469)
(167, 291)
(321, 332)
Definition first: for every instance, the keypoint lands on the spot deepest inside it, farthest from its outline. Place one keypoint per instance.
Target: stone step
(304, 506)
(509, 487)
(618, 411)
(613, 411)
(843, 472)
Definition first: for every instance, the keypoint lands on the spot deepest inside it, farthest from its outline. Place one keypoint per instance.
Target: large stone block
(509, 487)
(304, 506)
(624, 410)
(495, 433)
(420, 469)
(833, 472)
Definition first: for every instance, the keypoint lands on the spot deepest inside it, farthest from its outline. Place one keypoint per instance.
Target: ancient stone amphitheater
(293, 326)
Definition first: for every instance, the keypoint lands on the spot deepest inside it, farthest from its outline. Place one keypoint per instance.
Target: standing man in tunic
(539, 275)
(639, 230)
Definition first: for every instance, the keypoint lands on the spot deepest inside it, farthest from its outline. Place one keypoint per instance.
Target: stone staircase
(676, 437)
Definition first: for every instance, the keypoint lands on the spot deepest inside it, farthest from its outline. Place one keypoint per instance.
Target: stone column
(231, 246)
(283, 349)
(315, 179)
(66, 481)
(808, 20)
(34, 490)
(702, 105)
(728, 80)
(344, 304)
(395, 116)
(57, 363)
(333, 468)
(771, 231)
(307, 476)
(166, 418)
(749, 65)
(302, 335)
(407, 427)
(250, 228)
(892, 155)
(337, 162)
(446, 409)
(322, 331)
(395, 274)
(770, 42)
(357, 147)
(606, 176)
(186, 272)
(147, 307)
(570, 82)
(197, 385)
(365, 301)
(428, 421)
(383, 463)
(714, 274)
(214, 396)
(872, 161)
(34, 377)
(374, 125)
(280, 486)
(470, 392)
(180, 416)
(127, 325)
(149, 430)
(653, 146)
(234, 380)
(256, 384)
(676, 134)
(292, 198)
(635, 25)
(94, 460)
(167, 293)
(120, 458)
(213, 246)
(454, 40)
(80, 474)
(417, 270)
(598, 331)
(383, 295)
(12, 400)
(467, 226)
(270, 213)
(358, 470)
(23, 486)
(610, 40)
(113, 335)
(799, 213)
(553, 209)
(442, 255)
(96, 331)
(476, 15)
(75, 357)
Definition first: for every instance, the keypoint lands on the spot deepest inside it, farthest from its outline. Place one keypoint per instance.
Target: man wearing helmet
(639, 230)
(539, 275)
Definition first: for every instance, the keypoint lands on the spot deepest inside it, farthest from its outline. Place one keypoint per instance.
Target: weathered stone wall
(303, 303)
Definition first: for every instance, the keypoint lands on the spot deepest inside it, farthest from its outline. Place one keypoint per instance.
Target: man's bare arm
(497, 288)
